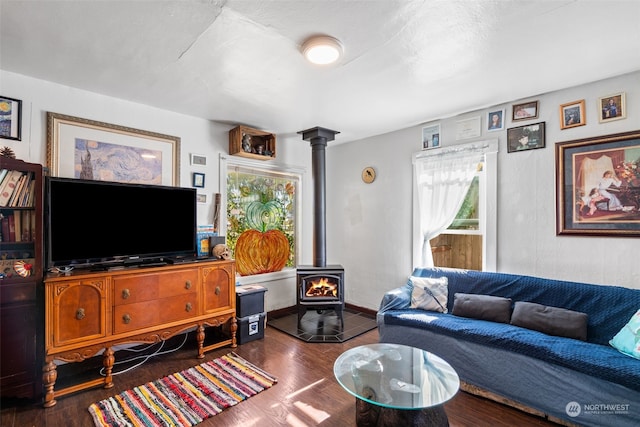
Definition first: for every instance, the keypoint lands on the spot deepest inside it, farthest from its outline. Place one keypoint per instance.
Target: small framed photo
(526, 137)
(431, 137)
(198, 180)
(198, 160)
(495, 120)
(201, 198)
(612, 107)
(10, 118)
(525, 111)
(572, 114)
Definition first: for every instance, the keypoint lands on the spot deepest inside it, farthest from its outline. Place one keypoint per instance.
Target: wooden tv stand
(86, 312)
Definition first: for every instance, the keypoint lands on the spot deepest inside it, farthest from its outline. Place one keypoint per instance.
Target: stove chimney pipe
(319, 137)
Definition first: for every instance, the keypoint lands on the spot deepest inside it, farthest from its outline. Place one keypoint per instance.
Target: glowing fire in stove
(322, 288)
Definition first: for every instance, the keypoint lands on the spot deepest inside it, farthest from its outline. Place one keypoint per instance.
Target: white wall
(369, 225)
(197, 136)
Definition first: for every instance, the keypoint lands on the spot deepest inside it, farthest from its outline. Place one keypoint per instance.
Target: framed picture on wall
(572, 114)
(495, 120)
(198, 160)
(431, 136)
(88, 149)
(198, 180)
(469, 128)
(598, 186)
(526, 137)
(525, 111)
(10, 118)
(612, 107)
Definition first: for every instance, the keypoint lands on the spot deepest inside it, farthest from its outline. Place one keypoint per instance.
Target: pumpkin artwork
(263, 248)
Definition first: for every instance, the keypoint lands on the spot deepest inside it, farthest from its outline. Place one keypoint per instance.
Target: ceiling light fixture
(322, 50)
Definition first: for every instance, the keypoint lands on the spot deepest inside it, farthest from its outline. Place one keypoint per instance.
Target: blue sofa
(566, 380)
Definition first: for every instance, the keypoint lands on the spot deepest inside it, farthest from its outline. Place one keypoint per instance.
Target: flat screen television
(101, 224)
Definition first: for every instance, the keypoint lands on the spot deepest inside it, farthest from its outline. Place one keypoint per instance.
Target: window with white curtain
(442, 179)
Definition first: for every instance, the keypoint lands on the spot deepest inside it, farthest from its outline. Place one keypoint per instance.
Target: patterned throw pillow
(429, 293)
(627, 341)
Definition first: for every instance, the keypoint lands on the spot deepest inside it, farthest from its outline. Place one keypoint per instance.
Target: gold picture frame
(612, 107)
(572, 114)
(89, 149)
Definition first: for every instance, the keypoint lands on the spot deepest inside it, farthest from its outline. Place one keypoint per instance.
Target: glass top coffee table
(396, 384)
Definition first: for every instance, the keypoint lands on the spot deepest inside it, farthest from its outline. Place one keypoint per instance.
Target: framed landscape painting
(88, 149)
(598, 186)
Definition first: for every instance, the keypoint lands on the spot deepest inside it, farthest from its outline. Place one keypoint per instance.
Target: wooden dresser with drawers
(87, 312)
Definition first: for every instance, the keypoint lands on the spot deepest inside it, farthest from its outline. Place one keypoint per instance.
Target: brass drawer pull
(126, 319)
(188, 307)
(187, 284)
(80, 314)
(125, 293)
(217, 290)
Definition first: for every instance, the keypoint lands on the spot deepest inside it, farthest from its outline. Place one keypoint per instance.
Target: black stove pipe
(319, 137)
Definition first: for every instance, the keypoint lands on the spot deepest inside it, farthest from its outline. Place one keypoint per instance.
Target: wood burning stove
(320, 288)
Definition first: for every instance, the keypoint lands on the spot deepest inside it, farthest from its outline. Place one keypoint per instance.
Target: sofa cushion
(485, 307)
(429, 293)
(627, 341)
(608, 307)
(550, 320)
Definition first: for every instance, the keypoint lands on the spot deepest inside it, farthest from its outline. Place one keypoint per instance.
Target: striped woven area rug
(185, 398)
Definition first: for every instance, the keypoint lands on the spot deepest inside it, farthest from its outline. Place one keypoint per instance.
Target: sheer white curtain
(442, 179)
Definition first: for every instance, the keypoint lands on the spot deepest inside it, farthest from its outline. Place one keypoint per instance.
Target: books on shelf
(17, 189)
(17, 226)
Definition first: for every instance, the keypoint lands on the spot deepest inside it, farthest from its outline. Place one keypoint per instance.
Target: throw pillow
(429, 293)
(627, 341)
(550, 320)
(484, 307)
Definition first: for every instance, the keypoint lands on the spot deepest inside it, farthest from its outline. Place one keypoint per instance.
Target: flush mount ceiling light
(322, 50)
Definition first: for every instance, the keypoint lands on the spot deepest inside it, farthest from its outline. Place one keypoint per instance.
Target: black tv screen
(97, 222)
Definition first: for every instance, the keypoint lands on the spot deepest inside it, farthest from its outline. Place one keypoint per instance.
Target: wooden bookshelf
(21, 218)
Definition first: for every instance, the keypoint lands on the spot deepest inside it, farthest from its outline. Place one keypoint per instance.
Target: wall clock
(368, 174)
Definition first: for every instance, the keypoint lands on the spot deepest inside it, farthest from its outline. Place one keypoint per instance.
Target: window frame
(490, 223)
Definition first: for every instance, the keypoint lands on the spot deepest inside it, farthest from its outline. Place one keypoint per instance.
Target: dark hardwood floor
(306, 395)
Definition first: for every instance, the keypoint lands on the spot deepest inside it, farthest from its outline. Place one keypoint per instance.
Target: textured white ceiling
(238, 61)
